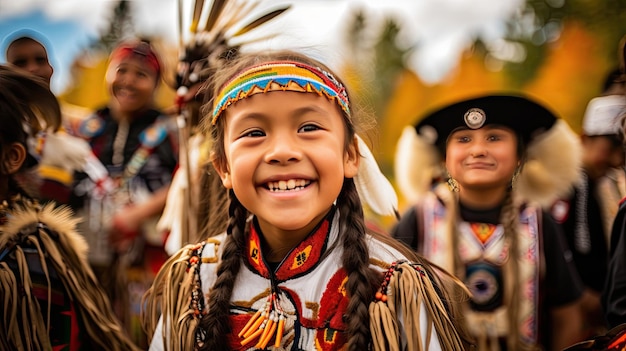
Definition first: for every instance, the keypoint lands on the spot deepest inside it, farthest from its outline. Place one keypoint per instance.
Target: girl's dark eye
(254, 134)
(309, 128)
(463, 139)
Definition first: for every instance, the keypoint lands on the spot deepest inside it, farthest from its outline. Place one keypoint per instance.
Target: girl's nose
(478, 149)
(282, 150)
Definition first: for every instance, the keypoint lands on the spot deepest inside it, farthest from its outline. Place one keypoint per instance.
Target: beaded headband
(281, 76)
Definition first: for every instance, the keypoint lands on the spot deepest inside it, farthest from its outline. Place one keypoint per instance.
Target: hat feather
(552, 166)
(417, 164)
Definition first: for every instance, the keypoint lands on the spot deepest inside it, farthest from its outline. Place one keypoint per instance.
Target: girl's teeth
(284, 185)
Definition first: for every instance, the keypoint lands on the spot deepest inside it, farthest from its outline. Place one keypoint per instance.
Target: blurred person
(135, 148)
(29, 54)
(51, 299)
(614, 294)
(25, 50)
(477, 172)
(587, 212)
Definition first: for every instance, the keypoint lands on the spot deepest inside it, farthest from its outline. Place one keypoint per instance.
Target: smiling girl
(494, 159)
(296, 269)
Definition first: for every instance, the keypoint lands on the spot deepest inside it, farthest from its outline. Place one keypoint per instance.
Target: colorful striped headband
(281, 76)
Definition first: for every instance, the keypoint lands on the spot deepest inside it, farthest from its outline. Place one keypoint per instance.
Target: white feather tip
(373, 187)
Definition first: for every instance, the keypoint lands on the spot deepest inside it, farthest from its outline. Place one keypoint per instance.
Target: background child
(135, 150)
(50, 297)
(496, 152)
(296, 269)
(26, 51)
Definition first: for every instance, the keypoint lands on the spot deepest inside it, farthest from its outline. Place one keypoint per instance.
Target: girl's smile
(288, 185)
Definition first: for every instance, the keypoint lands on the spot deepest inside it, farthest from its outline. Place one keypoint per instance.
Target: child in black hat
(478, 171)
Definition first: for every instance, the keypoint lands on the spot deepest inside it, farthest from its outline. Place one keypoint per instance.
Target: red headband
(141, 49)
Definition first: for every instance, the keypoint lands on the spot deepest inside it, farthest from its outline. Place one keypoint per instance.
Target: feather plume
(372, 185)
(65, 151)
(417, 165)
(549, 172)
(209, 45)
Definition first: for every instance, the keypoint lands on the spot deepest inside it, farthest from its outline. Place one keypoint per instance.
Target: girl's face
(484, 158)
(286, 158)
(132, 84)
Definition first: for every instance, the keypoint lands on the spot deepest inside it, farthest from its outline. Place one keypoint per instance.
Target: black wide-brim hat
(524, 116)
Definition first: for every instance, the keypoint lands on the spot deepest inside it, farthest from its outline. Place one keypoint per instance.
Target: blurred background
(400, 59)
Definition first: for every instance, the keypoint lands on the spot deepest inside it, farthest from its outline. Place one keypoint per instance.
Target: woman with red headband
(123, 190)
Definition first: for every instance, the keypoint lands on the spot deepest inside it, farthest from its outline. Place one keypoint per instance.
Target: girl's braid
(361, 280)
(510, 223)
(215, 322)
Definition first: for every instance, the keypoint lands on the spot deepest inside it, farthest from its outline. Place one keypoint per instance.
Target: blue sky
(441, 28)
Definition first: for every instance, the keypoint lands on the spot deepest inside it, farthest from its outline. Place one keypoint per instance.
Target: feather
(416, 165)
(180, 23)
(240, 10)
(259, 21)
(195, 17)
(372, 185)
(216, 10)
(548, 172)
(65, 151)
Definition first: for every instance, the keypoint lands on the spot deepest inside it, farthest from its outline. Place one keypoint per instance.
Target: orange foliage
(414, 99)
(572, 74)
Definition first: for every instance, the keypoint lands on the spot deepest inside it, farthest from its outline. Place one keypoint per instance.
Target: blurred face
(286, 158)
(132, 84)
(482, 159)
(601, 153)
(30, 56)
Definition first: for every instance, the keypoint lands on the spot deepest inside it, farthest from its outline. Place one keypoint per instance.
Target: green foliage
(541, 21)
(378, 62)
(120, 27)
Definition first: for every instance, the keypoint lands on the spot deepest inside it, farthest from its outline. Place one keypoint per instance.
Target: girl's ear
(15, 158)
(222, 170)
(352, 159)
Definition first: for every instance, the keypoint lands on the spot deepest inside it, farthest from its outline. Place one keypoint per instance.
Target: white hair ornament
(374, 188)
